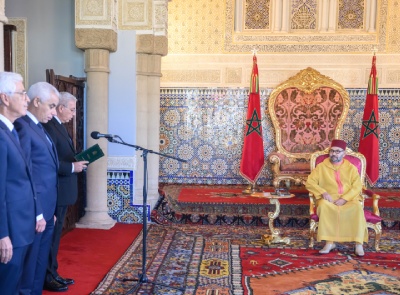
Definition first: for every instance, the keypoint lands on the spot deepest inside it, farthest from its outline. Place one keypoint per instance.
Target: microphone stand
(142, 279)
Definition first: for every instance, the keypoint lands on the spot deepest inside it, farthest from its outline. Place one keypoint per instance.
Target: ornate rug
(227, 205)
(201, 260)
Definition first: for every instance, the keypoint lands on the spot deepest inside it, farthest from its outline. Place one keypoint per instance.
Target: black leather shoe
(64, 281)
(55, 286)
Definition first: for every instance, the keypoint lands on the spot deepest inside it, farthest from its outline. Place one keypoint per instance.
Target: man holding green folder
(68, 183)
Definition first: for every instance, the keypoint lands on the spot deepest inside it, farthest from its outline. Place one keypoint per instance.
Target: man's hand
(6, 250)
(79, 166)
(40, 225)
(327, 197)
(340, 202)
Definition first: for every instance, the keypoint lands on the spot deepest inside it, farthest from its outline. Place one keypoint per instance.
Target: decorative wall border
(285, 43)
(123, 163)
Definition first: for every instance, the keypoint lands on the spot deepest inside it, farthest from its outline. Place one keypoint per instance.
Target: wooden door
(8, 47)
(75, 127)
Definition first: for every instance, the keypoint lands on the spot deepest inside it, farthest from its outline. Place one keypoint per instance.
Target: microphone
(97, 135)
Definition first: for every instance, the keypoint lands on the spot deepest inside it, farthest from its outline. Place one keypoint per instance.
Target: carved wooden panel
(75, 127)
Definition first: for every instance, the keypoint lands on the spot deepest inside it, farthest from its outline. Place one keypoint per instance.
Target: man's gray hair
(65, 98)
(8, 81)
(42, 90)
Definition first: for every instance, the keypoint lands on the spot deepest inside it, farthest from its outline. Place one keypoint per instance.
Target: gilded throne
(307, 112)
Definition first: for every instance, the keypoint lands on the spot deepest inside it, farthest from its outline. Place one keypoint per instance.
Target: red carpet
(308, 271)
(86, 255)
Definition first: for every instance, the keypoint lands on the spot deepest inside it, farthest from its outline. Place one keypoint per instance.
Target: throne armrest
(375, 199)
(313, 202)
(275, 159)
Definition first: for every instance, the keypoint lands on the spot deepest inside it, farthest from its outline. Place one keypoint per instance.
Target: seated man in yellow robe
(336, 185)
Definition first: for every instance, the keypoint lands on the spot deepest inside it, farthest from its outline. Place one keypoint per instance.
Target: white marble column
(238, 16)
(149, 50)
(97, 44)
(97, 71)
(285, 16)
(277, 10)
(332, 16)
(323, 16)
(372, 17)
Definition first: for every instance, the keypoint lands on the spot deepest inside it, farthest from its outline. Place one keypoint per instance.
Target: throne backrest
(355, 158)
(307, 111)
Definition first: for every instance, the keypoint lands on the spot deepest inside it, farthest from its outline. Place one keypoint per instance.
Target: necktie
(14, 132)
(66, 132)
(41, 127)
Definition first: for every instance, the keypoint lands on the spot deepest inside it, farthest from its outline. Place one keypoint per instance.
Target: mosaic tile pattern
(205, 127)
(257, 15)
(120, 195)
(351, 15)
(304, 15)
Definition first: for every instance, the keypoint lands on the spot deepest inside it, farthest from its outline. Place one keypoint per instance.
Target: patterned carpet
(201, 260)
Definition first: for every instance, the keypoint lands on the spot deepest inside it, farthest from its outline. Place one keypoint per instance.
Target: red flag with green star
(369, 138)
(252, 161)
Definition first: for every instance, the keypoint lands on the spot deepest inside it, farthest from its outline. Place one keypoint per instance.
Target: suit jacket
(67, 181)
(44, 163)
(17, 198)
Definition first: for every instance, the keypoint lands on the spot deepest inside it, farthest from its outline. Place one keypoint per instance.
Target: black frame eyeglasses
(336, 152)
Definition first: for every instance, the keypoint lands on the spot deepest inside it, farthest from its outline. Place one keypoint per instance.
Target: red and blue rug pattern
(199, 260)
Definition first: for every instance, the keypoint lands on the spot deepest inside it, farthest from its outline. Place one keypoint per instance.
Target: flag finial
(375, 50)
(254, 51)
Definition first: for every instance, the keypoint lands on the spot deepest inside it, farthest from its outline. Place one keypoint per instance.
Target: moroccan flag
(369, 139)
(253, 149)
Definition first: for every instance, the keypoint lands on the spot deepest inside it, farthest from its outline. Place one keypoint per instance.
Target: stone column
(3, 20)
(149, 50)
(372, 17)
(278, 16)
(285, 16)
(97, 44)
(324, 16)
(332, 16)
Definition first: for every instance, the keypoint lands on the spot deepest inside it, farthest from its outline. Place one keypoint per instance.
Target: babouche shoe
(359, 250)
(327, 248)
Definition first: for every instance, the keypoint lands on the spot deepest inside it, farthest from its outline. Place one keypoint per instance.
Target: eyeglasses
(23, 93)
(71, 110)
(336, 152)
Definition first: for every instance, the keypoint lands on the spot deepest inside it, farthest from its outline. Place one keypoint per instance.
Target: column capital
(150, 44)
(97, 60)
(96, 39)
(3, 18)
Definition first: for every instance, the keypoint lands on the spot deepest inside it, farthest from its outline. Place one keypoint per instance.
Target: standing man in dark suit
(39, 148)
(17, 197)
(67, 180)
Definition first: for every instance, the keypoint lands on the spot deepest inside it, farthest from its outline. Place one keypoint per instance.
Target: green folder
(91, 154)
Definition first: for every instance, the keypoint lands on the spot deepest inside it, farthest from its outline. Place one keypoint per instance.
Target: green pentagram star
(371, 126)
(251, 128)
